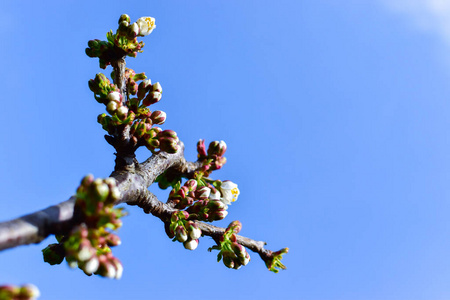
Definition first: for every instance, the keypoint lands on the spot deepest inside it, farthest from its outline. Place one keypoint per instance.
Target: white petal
(92, 265)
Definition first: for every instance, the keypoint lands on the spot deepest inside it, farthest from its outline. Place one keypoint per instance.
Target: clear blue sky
(336, 115)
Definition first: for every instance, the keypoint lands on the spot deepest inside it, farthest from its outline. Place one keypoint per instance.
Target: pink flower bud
(152, 98)
(235, 226)
(168, 144)
(181, 234)
(201, 149)
(203, 193)
(143, 88)
(191, 184)
(158, 117)
(222, 148)
(184, 190)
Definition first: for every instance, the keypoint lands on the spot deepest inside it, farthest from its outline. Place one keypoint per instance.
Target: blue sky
(336, 116)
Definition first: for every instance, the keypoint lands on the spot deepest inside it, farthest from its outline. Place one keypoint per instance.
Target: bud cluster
(88, 244)
(134, 111)
(209, 209)
(24, 292)
(183, 230)
(123, 42)
(274, 263)
(212, 158)
(232, 253)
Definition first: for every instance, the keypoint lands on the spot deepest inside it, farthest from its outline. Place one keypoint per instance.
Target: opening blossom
(146, 25)
(229, 191)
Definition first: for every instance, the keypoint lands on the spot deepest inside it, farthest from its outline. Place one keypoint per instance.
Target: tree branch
(132, 184)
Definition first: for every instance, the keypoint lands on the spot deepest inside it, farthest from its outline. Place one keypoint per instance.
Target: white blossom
(146, 25)
(230, 192)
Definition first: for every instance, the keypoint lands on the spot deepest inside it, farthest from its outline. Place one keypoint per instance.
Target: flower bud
(220, 215)
(235, 226)
(124, 18)
(114, 193)
(101, 190)
(151, 98)
(158, 117)
(222, 148)
(91, 265)
(191, 184)
(28, 291)
(216, 205)
(228, 261)
(123, 26)
(143, 88)
(111, 107)
(202, 193)
(194, 232)
(122, 111)
(84, 252)
(115, 96)
(168, 144)
(213, 148)
(153, 143)
(87, 180)
(183, 192)
(119, 269)
(181, 234)
(214, 195)
(157, 87)
(191, 244)
(134, 29)
(201, 149)
(110, 270)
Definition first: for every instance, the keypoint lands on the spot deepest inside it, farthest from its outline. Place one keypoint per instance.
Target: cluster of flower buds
(123, 42)
(182, 197)
(154, 138)
(131, 77)
(232, 253)
(274, 263)
(208, 210)
(212, 158)
(134, 111)
(107, 93)
(102, 87)
(88, 244)
(24, 292)
(183, 230)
